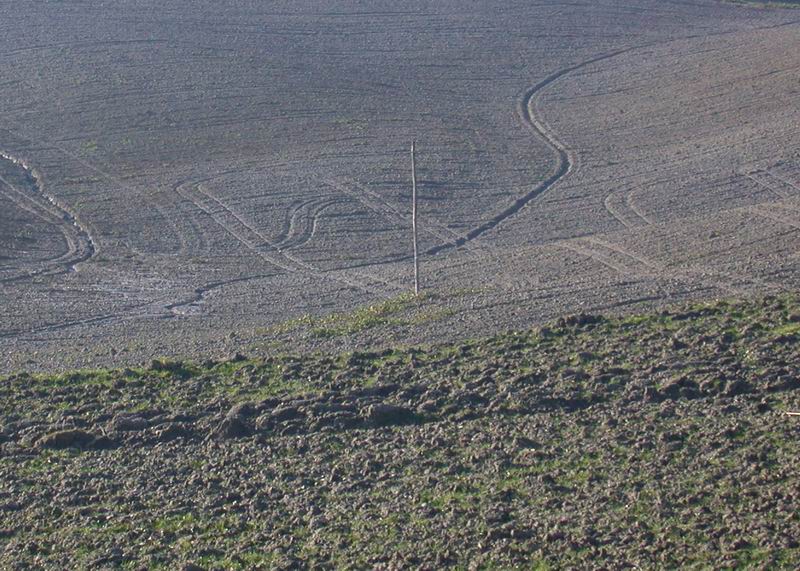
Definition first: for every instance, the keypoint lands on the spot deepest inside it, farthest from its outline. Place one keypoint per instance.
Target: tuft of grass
(89, 146)
(385, 313)
(788, 329)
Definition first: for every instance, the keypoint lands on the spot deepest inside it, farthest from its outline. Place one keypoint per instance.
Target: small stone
(379, 390)
(242, 409)
(235, 424)
(284, 413)
(429, 405)
(129, 423)
(579, 320)
(166, 365)
(764, 406)
(264, 423)
(677, 344)
(66, 439)
(521, 442)
(679, 387)
(651, 395)
(737, 387)
(234, 427)
(172, 431)
(387, 414)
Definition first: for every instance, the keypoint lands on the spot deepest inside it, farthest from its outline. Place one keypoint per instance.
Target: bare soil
(652, 441)
(197, 178)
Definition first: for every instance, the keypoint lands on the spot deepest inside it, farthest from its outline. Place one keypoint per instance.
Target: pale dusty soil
(198, 173)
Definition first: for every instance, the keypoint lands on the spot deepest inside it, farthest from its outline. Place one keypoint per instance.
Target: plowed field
(179, 178)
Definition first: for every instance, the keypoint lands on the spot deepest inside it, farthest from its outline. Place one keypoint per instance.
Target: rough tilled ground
(196, 169)
(652, 441)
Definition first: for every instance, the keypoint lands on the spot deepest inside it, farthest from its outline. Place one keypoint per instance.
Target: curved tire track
(775, 184)
(382, 207)
(635, 265)
(636, 210)
(566, 156)
(254, 241)
(302, 224)
(780, 193)
(763, 211)
(200, 293)
(80, 244)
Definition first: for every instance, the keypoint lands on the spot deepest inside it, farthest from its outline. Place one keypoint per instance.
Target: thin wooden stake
(414, 215)
(793, 413)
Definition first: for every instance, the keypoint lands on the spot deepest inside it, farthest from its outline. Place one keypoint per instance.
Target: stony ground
(654, 441)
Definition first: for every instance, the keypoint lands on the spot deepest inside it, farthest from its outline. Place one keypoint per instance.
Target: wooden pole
(414, 215)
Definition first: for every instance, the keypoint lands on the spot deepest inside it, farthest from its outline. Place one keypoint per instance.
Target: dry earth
(202, 178)
(184, 178)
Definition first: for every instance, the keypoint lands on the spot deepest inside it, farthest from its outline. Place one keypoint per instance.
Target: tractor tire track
(382, 207)
(19, 131)
(609, 254)
(780, 193)
(163, 308)
(255, 242)
(379, 205)
(301, 227)
(566, 157)
(200, 293)
(614, 210)
(795, 190)
(636, 210)
(764, 212)
(658, 270)
(290, 263)
(80, 243)
(619, 204)
(26, 202)
(276, 245)
(288, 221)
(576, 247)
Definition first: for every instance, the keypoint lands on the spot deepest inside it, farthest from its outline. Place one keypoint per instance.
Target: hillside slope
(226, 166)
(652, 441)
